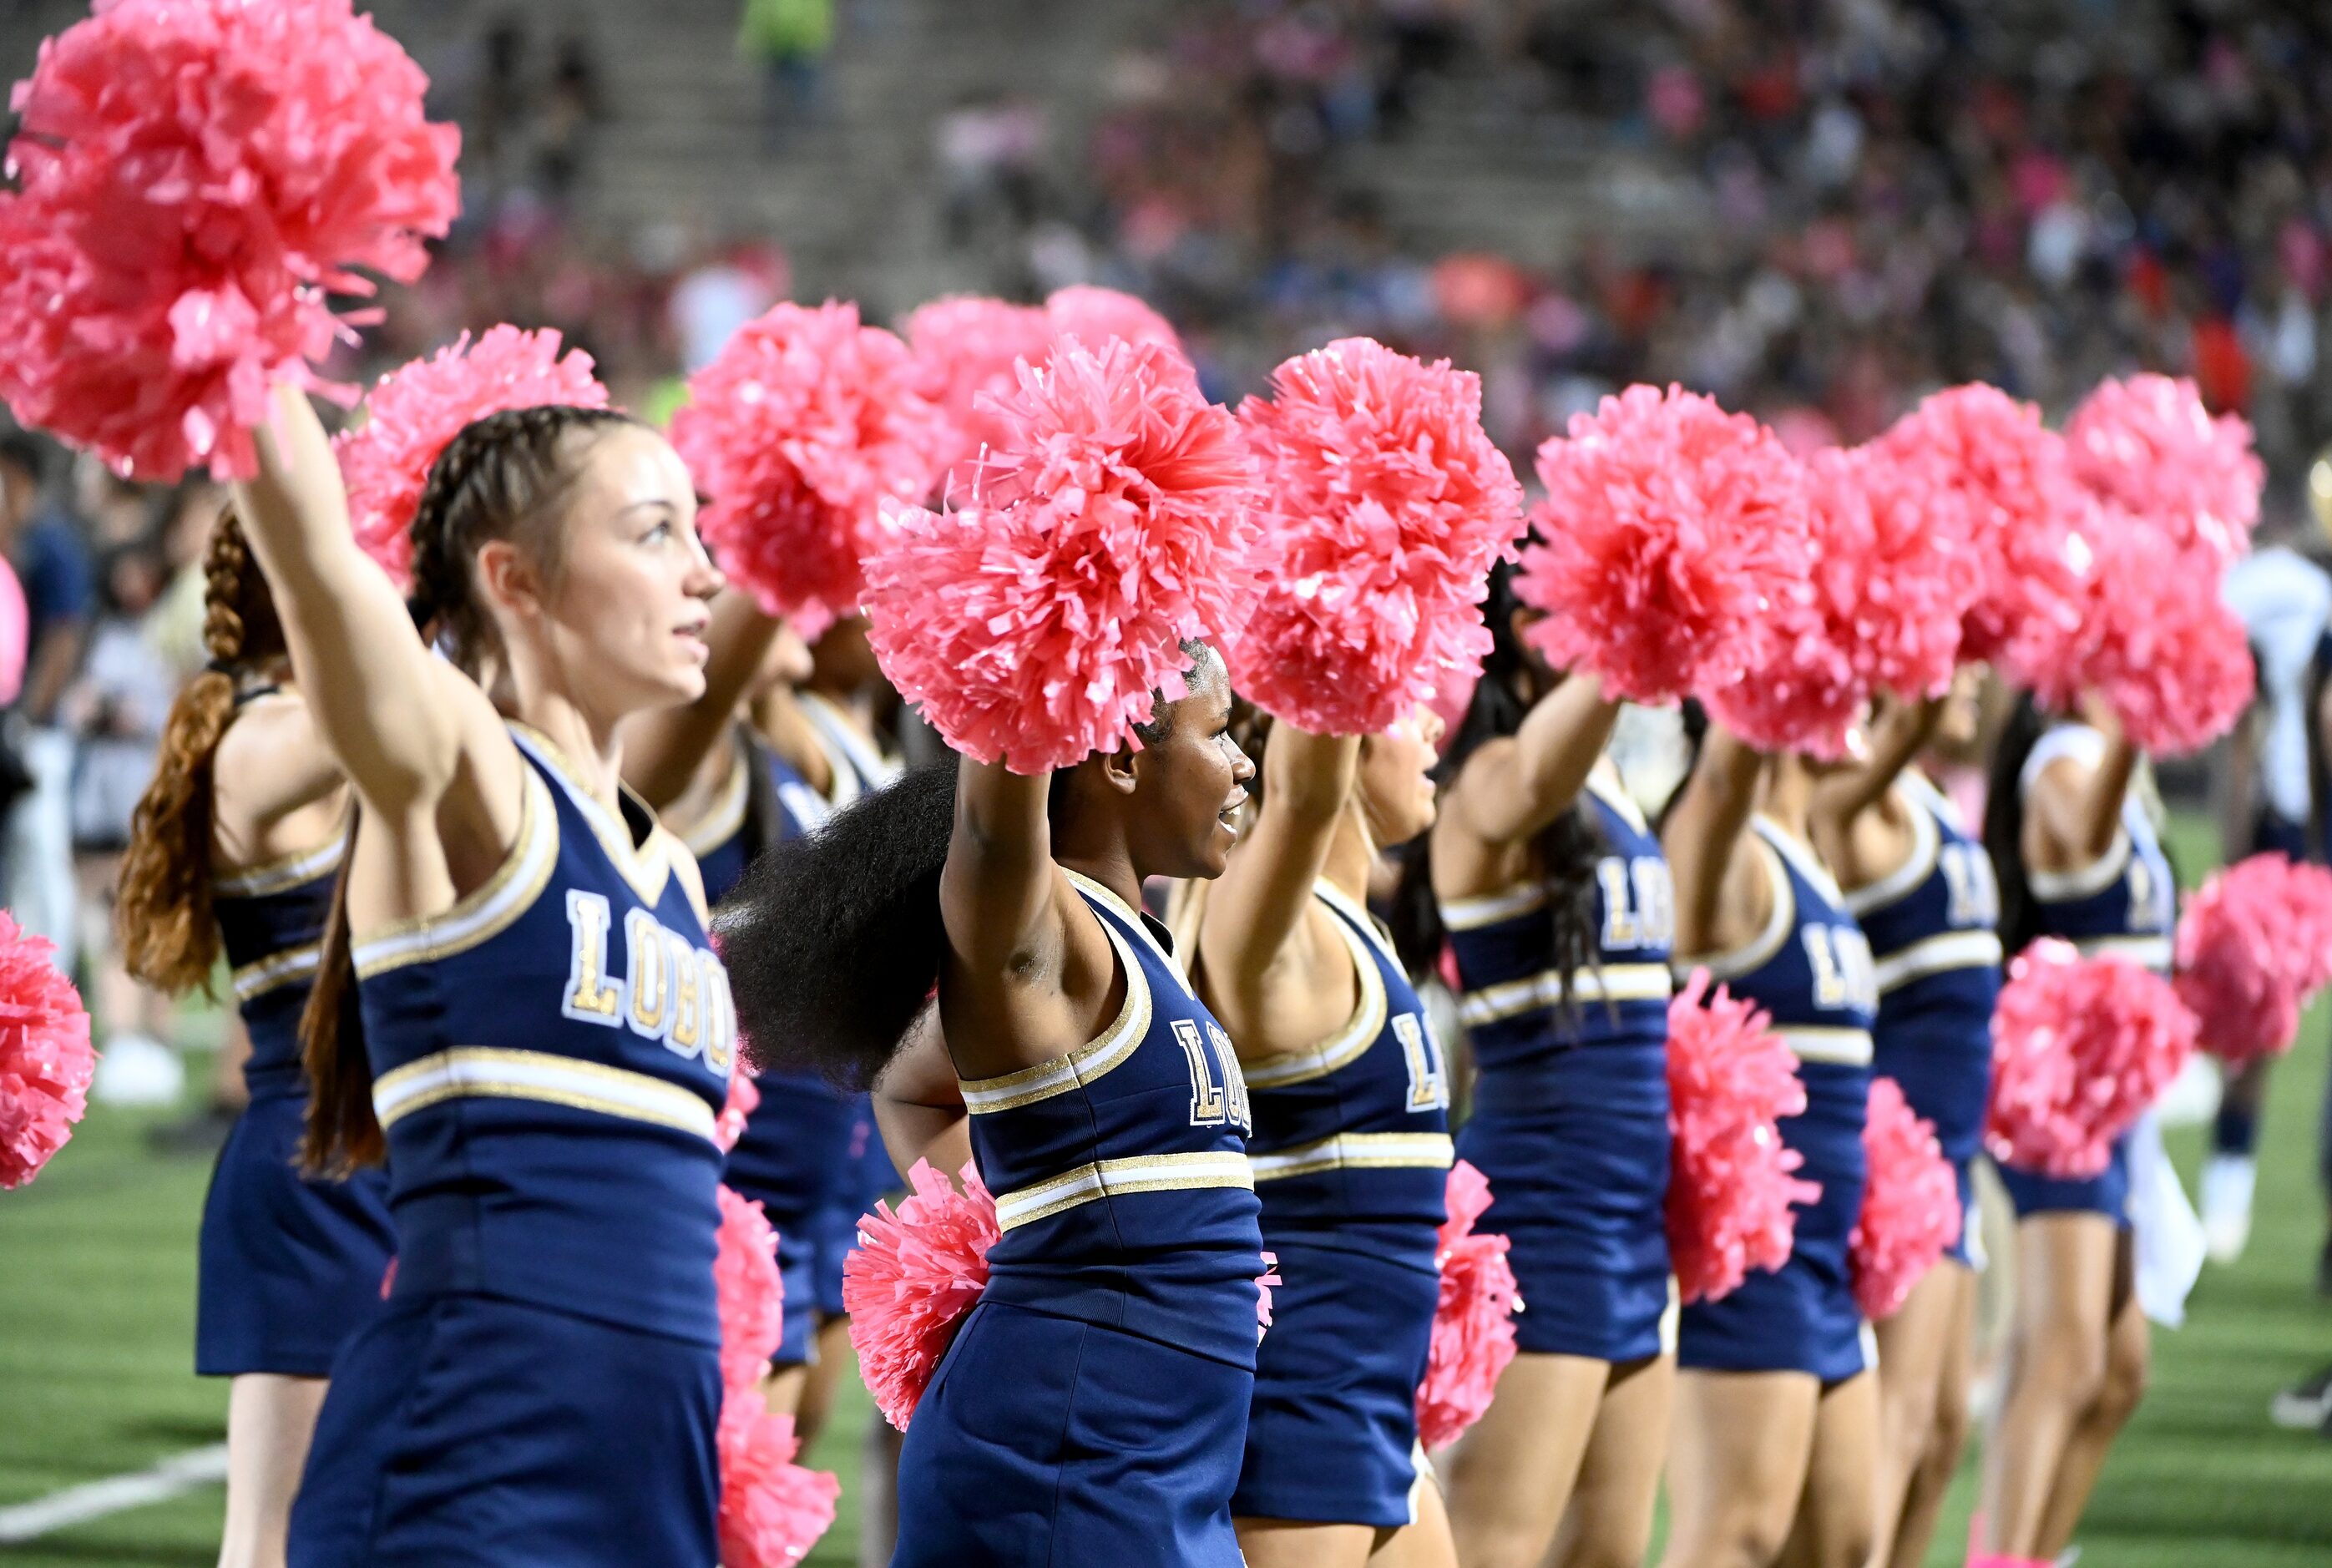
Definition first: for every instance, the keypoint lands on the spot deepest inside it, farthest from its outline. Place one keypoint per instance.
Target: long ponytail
(498, 478)
(163, 916)
(2003, 822)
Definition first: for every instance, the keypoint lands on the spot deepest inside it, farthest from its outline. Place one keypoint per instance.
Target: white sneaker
(2227, 1183)
(133, 1070)
(2192, 1096)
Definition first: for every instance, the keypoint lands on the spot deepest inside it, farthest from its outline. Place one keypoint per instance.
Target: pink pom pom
(2253, 944)
(2149, 445)
(772, 1510)
(15, 628)
(744, 1099)
(1034, 623)
(1474, 1326)
(2013, 488)
(1386, 506)
(194, 177)
(1263, 1284)
(1731, 1080)
(45, 1060)
(966, 351)
(2079, 1048)
(800, 429)
(2156, 641)
(416, 410)
(750, 1292)
(1910, 1203)
(1669, 531)
(916, 1273)
(1095, 316)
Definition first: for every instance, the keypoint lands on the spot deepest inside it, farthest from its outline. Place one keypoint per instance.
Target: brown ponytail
(162, 916)
(496, 479)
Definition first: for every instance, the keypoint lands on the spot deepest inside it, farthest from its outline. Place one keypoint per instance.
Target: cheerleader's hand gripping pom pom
(801, 430)
(916, 1273)
(1033, 625)
(2149, 445)
(968, 348)
(2079, 1048)
(192, 178)
(772, 1511)
(1910, 1204)
(2253, 948)
(2010, 484)
(1385, 507)
(1474, 1326)
(45, 1060)
(1731, 1080)
(1669, 530)
(414, 411)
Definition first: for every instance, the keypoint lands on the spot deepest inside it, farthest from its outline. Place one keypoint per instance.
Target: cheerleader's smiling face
(1189, 780)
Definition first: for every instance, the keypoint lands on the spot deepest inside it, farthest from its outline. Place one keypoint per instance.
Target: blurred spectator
(53, 565)
(788, 39)
(571, 110)
(728, 288)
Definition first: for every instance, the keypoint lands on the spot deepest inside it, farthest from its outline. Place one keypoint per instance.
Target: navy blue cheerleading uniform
(2125, 903)
(807, 1151)
(1352, 1163)
(1570, 1119)
(289, 1266)
(1932, 926)
(549, 1056)
(1093, 1408)
(1810, 970)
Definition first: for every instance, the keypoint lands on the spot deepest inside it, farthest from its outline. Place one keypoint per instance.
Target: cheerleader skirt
(1048, 1439)
(810, 1156)
(1331, 1433)
(2106, 1193)
(1575, 1147)
(468, 1431)
(1801, 1317)
(288, 1268)
(1948, 1081)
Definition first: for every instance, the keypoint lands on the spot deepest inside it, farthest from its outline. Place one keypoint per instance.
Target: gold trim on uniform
(1132, 917)
(1839, 1047)
(471, 1072)
(1937, 954)
(1357, 1151)
(1348, 1044)
(1926, 846)
(647, 867)
(1490, 908)
(2065, 886)
(726, 814)
(276, 970)
(1618, 982)
(283, 872)
(1118, 1178)
(501, 900)
(1732, 966)
(1082, 1066)
(2153, 952)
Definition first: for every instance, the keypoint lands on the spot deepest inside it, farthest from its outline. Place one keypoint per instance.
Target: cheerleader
(1556, 903)
(1351, 1152)
(1922, 889)
(516, 1001)
(234, 848)
(1092, 1406)
(2076, 857)
(1778, 1412)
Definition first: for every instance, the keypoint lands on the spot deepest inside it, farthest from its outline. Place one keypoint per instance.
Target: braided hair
(500, 478)
(163, 916)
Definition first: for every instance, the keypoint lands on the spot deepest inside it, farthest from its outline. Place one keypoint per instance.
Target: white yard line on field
(165, 1480)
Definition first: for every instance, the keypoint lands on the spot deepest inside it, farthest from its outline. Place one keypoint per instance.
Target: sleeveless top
(1811, 968)
(723, 841)
(2127, 902)
(271, 921)
(1352, 1135)
(1120, 1171)
(1933, 925)
(549, 1055)
(1512, 1003)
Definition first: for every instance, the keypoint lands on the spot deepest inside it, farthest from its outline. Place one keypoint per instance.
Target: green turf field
(96, 1334)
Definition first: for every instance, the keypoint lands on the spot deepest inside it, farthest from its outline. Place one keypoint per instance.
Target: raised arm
(1257, 905)
(1511, 789)
(393, 714)
(1901, 733)
(2075, 808)
(1701, 832)
(997, 890)
(663, 748)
